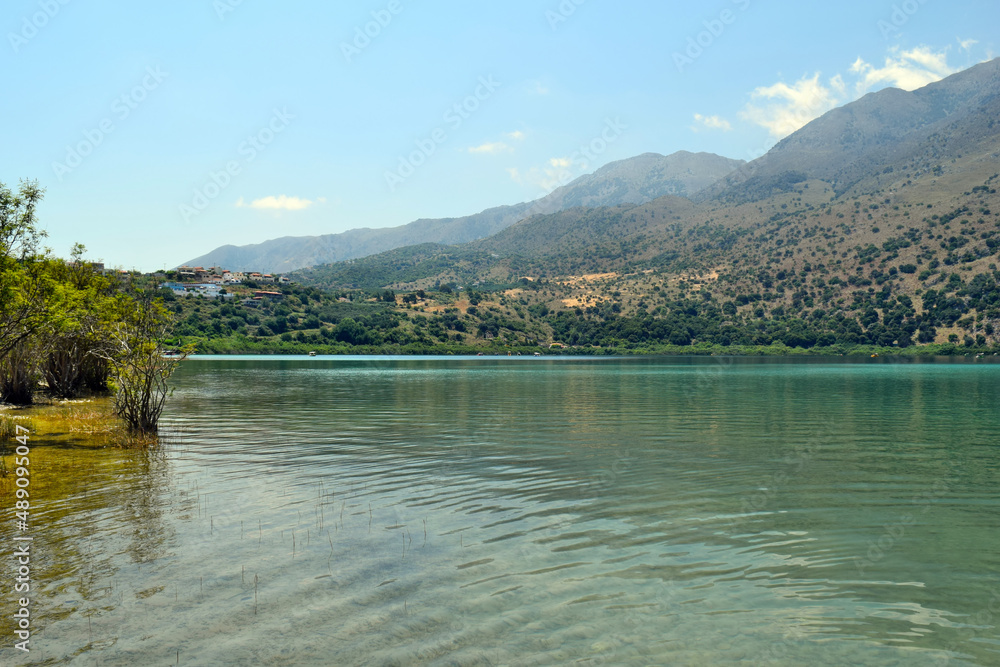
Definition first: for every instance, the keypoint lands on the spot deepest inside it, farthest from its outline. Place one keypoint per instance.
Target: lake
(532, 511)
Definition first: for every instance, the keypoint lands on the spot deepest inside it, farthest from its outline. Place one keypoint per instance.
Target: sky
(161, 131)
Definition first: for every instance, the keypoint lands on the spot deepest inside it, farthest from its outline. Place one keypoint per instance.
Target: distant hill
(864, 145)
(854, 177)
(642, 179)
(876, 226)
(633, 181)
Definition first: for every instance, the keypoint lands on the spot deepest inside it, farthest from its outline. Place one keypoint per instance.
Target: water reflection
(538, 512)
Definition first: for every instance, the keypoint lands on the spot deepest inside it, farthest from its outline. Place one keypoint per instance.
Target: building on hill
(209, 290)
(177, 288)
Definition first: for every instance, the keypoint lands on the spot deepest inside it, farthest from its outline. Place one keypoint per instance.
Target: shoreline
(848, 351)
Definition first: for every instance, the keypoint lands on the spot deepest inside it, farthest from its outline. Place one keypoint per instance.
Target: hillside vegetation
(875, 226)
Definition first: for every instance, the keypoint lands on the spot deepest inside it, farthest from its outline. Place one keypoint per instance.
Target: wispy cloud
(491, 148)
(555, 173)
(711, 123)
(967, 44)
(280, 203)
(495, 147)
(783, 108)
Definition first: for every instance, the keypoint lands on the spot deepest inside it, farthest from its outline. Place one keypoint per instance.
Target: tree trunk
(18, 376)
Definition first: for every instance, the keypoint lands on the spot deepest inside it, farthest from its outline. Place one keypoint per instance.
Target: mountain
(864, 145)
(633, 181)
(875, 225)
(642, 179)
(908, 179)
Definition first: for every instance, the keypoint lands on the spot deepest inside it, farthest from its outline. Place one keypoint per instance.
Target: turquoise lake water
(525, 511)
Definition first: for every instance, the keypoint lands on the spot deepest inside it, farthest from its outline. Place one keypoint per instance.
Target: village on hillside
(211, 283)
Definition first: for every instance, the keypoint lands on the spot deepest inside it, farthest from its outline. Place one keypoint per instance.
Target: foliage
(22, 296)
(74, 327)
(133, 329)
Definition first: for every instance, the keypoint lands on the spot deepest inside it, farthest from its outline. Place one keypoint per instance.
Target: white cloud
(711, 123)
(787, 108)
(491, 148)
(967, 44)
(494, 147)
(782, 108)
(908, 70)
(280, 203)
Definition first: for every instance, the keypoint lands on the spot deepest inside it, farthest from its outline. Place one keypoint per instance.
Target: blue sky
(163, 130)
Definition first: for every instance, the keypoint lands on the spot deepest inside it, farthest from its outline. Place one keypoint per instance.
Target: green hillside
(875, 225)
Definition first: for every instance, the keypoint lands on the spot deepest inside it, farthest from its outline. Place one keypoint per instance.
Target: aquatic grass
(98, 423)
(7, 428)
(9, 424)
(91, 421)
(8, 433)
(122, 438)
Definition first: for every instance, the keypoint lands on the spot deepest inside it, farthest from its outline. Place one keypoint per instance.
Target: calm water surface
(523, 511)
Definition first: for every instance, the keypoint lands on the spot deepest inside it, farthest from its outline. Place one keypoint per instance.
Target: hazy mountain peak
(634, 181)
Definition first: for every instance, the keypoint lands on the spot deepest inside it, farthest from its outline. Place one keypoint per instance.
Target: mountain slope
(856, 148)
(944, 146)
(888, 237)
(632, 181)
(642, 179)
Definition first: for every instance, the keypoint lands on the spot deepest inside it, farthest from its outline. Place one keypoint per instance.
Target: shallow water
(338, 511)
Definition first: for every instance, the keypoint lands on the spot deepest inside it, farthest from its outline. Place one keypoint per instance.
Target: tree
(22, 302)
(134, 327)
(19, 370)
(71, 332)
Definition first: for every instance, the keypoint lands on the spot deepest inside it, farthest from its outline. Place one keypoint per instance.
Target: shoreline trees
(73, 329)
